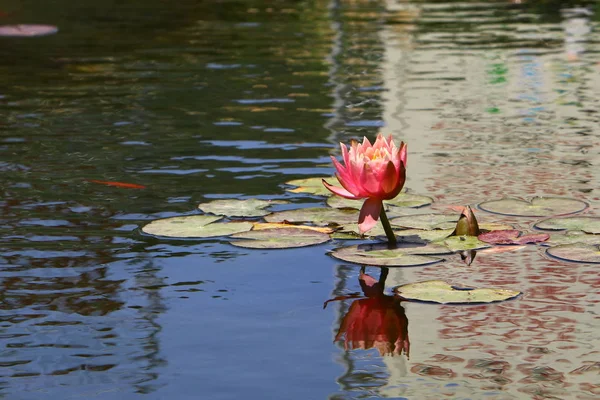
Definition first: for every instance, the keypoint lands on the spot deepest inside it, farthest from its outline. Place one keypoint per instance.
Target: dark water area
(202, 100)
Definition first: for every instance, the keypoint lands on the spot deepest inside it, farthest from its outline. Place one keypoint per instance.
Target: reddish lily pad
(311, 185)
(239, 208)
(437, 291)
(320, 216)
(279, 238)
(537, 207)
(578, 252)
(512, 236)
(382, 255)
(584, 224)
(194, 226)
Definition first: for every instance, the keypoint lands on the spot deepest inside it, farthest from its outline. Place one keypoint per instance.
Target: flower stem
(387, 227)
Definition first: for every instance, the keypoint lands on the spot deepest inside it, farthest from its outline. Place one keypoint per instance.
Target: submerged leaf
(537, 207)
(279, 238)
(194, 226)
(578, 252)
(239, 208)
(118, 184)
(437, 291)
(512, 237)
(584, 224)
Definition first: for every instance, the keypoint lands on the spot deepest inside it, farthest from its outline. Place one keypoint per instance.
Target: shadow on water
(185, 102)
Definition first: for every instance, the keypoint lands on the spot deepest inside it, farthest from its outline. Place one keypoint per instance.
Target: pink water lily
(374, 172)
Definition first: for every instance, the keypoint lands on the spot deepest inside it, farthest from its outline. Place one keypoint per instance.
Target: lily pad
(194, 226)
(312, 185)
(317, 215)
(461, 243)
(584, 224)
(537, 207)
(572, 237)
(578, 252)
(380, 255)
(426, 221)
(433, 235)
(279, 238)
(277, 225)
(512, 236)
(437, 291)
(402, 200)
(239, 208)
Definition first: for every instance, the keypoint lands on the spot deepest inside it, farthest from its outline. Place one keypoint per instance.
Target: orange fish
(118, 184)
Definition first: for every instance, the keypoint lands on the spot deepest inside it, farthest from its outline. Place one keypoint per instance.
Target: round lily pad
(431, 236)
(381, 255)
(437, 291)
(578, 252)
(194, 226)
(461, 243)
(239, 208)
(584, 224)
(572, 237)
(426, 221)
(317, 215)
(279, 238)
(277, 225)
(402, 200)
(312, 185)
(537, 207)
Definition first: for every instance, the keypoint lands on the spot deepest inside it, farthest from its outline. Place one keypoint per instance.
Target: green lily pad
(584, 224)
(380, 255)
(194, 226)
(402, 200)
(433, 235)
(537, 207)
(572, 237)
(317, 215)
(312, 185)
(239, 208)
(279, 238)
(442, 292)
(426, 221)
(578, 252)
(461, 243)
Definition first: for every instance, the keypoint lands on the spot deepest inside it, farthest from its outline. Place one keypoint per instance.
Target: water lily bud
(467, 224)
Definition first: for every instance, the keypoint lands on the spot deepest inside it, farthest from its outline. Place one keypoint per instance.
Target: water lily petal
(403, 153)
(345, 178)
(369, 214)
(389, 180)
(340, 191)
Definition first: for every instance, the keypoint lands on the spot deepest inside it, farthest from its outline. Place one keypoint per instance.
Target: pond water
(206, 100)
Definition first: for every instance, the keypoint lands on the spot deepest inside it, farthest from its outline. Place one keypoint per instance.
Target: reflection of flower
(375, 172)
(377, 321)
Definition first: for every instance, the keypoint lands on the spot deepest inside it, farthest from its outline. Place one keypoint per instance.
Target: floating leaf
(512, 237)
(279, 238)
(578, 252)
(381, 255)
(433, 235)
(194, 226)
(584, 224)
(317, 215)
(537, 207)
(402, 200)
(239, 208)
(311, 185)
(426, 221)
(572, 237)
(442, 292)
(461, 243)
(277, 225)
